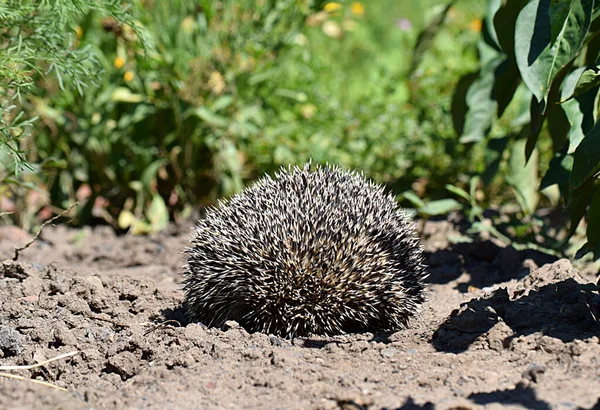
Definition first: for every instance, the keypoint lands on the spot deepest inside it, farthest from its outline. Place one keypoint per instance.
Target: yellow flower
(332, 7)
(119, 62)
(128, 76)
(476, 25)
(357, 8)
(78, 32)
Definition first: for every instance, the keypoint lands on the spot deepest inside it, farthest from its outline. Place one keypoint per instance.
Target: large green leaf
(505, 19)
(580, 110)
(538, 57)
(586, 158)
(482, 93)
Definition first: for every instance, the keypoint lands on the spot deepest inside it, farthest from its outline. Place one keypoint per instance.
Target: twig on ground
(14, 376)
(49, 221)
(40, 364)
(33, 366)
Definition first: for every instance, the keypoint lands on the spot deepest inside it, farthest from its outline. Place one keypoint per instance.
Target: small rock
(388, 352)
(125, 364)
(533, 372)
(11, 341)
(231, 324)
(275, 341)
(95, 282)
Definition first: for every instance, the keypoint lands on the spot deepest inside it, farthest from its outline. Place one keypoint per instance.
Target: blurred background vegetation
(145, 110)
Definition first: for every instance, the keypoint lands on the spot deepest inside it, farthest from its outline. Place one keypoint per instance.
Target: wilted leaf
(538, 57)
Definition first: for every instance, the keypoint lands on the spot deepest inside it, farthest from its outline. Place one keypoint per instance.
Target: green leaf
(593, 225)
(413, 198)
(538, 57)
(458, 191)
(459, 107)
(222, 103)
(523, 176)
(558, 126)
(580, 110)
(586, 158)
(588, 79)
(558, 172)
(209, 117)
(505, 20)
(577, 207)
(537, 118)
(558, 11)
(440, 207)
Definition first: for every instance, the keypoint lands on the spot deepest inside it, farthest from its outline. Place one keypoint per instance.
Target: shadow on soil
(561, 310)
(520, 395)
(486, 262)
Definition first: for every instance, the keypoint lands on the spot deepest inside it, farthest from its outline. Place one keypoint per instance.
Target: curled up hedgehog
(320, 252)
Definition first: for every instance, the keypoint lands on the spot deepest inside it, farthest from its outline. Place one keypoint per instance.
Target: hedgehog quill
(308, 252)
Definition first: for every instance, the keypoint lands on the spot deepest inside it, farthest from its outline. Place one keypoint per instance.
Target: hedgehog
(320, 251)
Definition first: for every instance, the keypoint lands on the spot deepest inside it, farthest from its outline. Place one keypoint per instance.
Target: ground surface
(501, 329)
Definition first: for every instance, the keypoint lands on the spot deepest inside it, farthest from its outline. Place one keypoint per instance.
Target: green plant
(38, 42)
(539, 60)
(235, 89)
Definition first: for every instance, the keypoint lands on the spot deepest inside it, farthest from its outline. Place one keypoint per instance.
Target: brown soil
(501, 328)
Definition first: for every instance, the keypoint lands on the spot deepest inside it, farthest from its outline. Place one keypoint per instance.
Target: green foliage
(37, 38)
(545, 52)
(234, 89)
